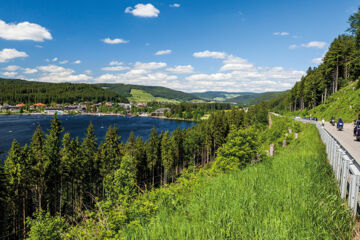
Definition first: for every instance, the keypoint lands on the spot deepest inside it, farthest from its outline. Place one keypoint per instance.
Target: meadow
(290, 196)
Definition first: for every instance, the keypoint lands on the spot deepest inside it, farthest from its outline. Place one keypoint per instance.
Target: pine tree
(166, 155)
(152, 153)
(52, 155)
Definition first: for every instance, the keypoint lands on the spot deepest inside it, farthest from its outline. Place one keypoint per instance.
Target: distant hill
(14, 91)
(243, 98)
(145, 92)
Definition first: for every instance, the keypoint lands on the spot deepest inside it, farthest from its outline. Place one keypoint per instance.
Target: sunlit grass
(291, 196)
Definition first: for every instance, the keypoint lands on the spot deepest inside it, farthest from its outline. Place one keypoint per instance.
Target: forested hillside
(13, 91)
(242, 98)
(340, 66)
(161, 92)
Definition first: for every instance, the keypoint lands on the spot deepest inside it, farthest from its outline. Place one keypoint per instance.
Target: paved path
(346, 138)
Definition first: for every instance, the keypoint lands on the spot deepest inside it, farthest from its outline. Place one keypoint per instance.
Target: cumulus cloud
(24, 31)
(239, 75)
(281, 33)
(317, 60)
(115, 63)
(149, 65)
(30, 70)
(115, 68)
(312, 44)
(181, 69)
(143, 10)
(63, 62)
(209, 54)
(12, 68)
(114, 41)
(175, 5)
(11, 53)
(55, 73)
(233, 63)
(54, 59)
(77, 62)
(163, 52)
(9, 74)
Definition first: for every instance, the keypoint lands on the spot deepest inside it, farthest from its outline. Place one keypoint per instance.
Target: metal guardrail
(346, 169)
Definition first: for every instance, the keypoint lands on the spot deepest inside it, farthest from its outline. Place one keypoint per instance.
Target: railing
(346, 169)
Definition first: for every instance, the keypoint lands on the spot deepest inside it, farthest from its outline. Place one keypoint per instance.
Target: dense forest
(62, 179)
(340, 66)
(241, 98)
(125, 89)
(14, 91)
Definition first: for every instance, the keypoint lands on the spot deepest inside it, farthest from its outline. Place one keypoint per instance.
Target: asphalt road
(346, 138)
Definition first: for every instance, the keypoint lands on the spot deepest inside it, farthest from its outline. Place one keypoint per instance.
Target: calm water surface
(22, 127)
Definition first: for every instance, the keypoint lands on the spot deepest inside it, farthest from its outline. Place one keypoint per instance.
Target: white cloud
(209, 54)
(114, 41)
(233, 63)
(115, 68)
(115, 63)
(88, 71)
(143, 10)
(175, 5)
(149, 65)
(315, 44)
(281, 33)
(317, 60)
(54, 73)
(64, 62)
(54, 59)
(163, 52)
(24, 31)
(9, 74)
(181, 69)
(30, 70)
(312, 44)
(12, 68)
(10, 53)
(77, 62)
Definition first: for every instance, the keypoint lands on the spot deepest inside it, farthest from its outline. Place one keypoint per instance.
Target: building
(161, 111)
(20, 105)
(53, 110)
(39, 105)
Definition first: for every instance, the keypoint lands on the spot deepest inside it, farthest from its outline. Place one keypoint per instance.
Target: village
(107, 108)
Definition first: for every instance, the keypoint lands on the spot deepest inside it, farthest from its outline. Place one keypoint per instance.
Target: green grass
(345, 104)
(142, 96)
(290, 196)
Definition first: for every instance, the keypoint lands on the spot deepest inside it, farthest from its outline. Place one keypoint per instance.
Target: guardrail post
(336, 155)
(339, 164)
(344, 175)
(353, 193)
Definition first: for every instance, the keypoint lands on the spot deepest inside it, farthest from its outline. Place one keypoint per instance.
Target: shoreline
(102, 114)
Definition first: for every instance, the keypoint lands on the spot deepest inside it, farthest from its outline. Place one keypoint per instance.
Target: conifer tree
(152, 153)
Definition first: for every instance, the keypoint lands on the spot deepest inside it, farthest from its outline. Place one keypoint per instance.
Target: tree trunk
(165, 176)
(336, 77)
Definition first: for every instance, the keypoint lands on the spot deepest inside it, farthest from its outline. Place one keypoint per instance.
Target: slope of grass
(345, 104)
(142, 96)
(156, 91)
(291, 196)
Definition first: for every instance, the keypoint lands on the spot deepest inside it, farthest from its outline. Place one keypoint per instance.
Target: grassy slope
(247, 98)
(142, 96)
(291, 196)
(345, 104)
(162, 92)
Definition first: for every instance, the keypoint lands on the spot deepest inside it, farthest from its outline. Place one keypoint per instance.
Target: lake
(22, 127)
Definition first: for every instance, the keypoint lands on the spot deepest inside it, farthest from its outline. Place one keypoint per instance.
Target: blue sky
(187, 45)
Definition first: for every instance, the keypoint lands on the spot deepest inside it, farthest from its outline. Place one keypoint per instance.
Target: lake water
(22, 127)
